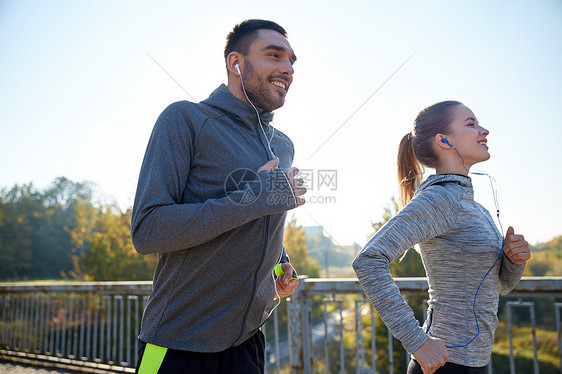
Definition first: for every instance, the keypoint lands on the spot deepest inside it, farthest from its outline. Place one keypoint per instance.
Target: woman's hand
(515, 247)
(431, 355)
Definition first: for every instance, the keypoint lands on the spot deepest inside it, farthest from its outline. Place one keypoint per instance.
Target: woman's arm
(428, 215)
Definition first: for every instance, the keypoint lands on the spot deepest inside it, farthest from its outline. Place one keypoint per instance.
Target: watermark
(243, 186)
(320, 185)
(319, 180)
(321, 199)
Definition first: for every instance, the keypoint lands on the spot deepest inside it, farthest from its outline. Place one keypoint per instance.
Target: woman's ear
(442, 141)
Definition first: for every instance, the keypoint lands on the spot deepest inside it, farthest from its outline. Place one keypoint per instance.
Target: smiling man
(266, 69)
(213, 192)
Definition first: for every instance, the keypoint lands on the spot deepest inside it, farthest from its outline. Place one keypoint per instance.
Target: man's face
(268, 70)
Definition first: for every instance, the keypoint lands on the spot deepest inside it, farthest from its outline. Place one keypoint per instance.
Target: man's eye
(274, 55)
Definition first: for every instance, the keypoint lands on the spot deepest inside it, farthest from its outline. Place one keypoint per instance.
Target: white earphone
(237, 67)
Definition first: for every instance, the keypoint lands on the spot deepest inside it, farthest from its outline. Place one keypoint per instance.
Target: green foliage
(33, 241)
(547, 349)
(546, 259)
(58, 231)
(102, 236)
(295, 246)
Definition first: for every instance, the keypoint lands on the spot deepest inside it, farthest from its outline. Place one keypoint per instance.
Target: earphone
(237, 67)
(278, 269)
(446, 141)
(494, 191)
(274, 276)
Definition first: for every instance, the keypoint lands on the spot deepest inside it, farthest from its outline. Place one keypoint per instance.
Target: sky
(83, 82)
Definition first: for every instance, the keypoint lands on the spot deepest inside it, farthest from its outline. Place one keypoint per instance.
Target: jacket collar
(242, 112)
(462, 180)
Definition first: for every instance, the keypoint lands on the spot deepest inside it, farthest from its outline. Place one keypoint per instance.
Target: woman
(460, 246)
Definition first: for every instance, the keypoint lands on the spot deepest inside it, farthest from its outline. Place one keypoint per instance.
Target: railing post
(531, 307)
(557, 307)
(299, 331)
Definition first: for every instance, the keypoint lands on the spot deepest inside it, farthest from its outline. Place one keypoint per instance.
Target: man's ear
(233, 59)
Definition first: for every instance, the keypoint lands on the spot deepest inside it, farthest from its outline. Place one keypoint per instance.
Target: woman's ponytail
(410, 170)
(416, 147)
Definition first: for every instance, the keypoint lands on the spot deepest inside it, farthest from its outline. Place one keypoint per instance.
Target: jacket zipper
(264, 250)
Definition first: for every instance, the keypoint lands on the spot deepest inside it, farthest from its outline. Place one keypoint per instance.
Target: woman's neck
(452, 167)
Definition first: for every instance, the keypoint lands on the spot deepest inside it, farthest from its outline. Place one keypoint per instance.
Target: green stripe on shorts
(152, 359)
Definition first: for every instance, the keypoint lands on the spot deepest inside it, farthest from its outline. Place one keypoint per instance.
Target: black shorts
(246, 358)
(448, 368)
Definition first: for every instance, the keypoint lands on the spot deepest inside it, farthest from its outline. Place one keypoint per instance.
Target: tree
(15, 240)
(104, 248)
(295, 246)
(60, 230)
(546, 259)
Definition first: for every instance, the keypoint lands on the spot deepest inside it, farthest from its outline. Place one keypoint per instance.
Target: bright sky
(80, 91)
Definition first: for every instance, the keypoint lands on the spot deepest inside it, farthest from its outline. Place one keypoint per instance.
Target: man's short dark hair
(243, 34)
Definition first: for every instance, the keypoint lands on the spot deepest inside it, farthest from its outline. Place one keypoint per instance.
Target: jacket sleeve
(510, 274)
(284, 257)
(428, 215)
(161, 223)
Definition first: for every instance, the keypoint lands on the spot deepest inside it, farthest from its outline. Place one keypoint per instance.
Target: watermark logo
(242, 186)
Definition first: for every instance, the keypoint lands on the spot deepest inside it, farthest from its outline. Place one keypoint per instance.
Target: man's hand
(431, 355)
(515, 247)
(269, 165)
(284, 285)
(296, 183)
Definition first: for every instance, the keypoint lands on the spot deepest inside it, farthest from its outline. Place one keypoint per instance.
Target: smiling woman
(469, 139)
(467, 262)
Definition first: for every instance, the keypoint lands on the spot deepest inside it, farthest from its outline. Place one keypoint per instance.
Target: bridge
(327, 325)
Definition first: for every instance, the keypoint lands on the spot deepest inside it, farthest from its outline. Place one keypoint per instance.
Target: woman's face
(468, 137)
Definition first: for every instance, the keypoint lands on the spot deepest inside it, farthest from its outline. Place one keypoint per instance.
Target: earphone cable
(268, 141)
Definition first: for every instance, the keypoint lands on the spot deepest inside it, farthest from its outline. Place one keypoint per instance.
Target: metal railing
(328, 327)
(83, 324)
(306, 357)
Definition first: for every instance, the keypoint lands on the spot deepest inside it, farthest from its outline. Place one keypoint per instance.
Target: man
(213, 192)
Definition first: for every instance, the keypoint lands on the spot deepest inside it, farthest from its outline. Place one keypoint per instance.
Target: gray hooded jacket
(216, 226)
(459, 243)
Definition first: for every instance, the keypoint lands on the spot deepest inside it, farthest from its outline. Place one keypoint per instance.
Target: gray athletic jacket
(459, 243)
(217, 226)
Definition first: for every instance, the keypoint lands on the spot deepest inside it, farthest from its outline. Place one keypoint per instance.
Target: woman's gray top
(459, 243)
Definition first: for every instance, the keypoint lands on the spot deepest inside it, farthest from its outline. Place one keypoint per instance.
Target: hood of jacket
(242, 112)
